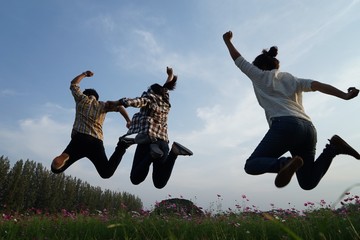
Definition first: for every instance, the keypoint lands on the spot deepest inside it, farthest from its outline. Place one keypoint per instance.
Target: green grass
(322, 222)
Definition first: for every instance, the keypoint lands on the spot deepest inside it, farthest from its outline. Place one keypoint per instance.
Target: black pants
(162, 167)
(83, 145)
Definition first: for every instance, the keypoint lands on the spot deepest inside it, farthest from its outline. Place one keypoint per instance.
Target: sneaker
(60, 161)
(179, 149)
(127, 141)
(342, 147)
(285, 174)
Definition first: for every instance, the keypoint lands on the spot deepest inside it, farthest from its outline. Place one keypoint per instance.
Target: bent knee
(307, 187)
(249, 169)
(106, 175)
(159, 186)
(135, 181)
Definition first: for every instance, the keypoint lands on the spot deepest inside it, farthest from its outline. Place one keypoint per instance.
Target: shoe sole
(62, 165)
(183, 150)
(350, 150)
(285, 174)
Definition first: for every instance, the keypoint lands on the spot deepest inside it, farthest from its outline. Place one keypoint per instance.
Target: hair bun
(273, 51)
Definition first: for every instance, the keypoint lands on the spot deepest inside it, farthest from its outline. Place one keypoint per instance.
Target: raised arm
(234, 53)
(331, 90)
(80, 77)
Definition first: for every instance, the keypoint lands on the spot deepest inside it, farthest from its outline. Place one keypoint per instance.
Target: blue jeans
(297, 136)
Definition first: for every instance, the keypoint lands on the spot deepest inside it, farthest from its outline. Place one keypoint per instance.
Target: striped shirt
(152, 117)
(278, 93)
(90, 113)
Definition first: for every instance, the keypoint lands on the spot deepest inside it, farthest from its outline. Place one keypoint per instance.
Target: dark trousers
(297, 136)
(83, 145)
(162, 167)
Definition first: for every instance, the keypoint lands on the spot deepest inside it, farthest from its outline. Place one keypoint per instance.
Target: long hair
(267, 60)
(171, 85)
(163, 90)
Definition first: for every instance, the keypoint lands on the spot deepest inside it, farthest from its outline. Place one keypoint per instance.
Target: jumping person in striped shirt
(291, 129)
(150, 125)
(87, 134)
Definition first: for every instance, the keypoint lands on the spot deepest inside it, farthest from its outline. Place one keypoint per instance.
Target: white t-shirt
(278, 93)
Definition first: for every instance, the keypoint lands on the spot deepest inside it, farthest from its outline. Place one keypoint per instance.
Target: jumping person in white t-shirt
(291, 129)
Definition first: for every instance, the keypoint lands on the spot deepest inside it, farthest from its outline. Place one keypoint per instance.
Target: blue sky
(128, 44)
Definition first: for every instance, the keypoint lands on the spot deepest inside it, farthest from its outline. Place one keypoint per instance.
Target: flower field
(170, 221)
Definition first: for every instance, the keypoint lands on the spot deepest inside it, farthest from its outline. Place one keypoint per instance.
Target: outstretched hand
(81, 76)
(128, 124)
(88, 73)
(234, 53)
(352, 92)
(169, 71)
(123, 102)
(227, 36)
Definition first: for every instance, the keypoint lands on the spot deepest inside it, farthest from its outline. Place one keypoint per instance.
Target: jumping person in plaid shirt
(87, 134)
(150, 125)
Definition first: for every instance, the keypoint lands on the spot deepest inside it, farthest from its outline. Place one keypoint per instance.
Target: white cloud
(35, 138)
(9, 92)
(148, 43)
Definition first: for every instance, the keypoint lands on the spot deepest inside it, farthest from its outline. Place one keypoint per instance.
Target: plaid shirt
(90, 113)
(152, 117)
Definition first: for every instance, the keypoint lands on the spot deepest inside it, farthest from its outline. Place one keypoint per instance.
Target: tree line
(28, 185)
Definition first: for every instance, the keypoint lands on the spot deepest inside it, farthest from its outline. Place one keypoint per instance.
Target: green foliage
(179, 207)
(28, 185)
(4, 170)
(318, 224)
